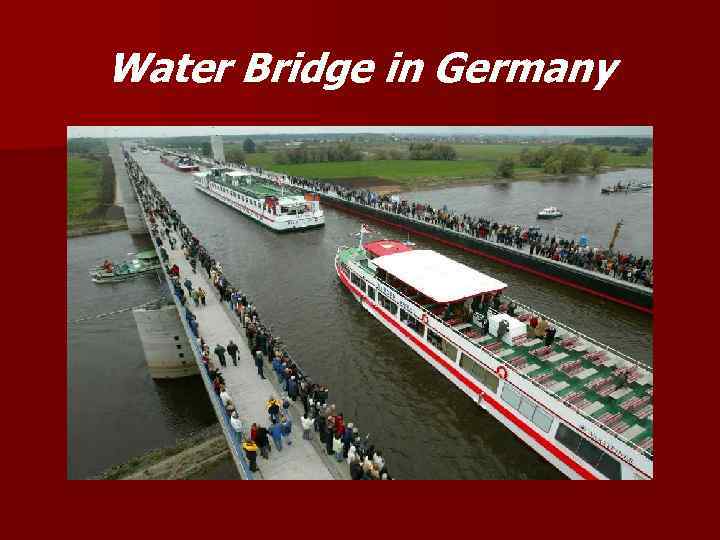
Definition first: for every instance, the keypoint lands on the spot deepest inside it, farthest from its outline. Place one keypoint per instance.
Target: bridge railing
(230, 434)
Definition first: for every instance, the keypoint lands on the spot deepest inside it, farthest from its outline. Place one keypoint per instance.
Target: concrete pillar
(167, 350)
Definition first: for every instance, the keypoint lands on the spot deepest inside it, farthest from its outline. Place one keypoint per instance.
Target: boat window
(449, 349)
(358, 281)
(510, 396)
(527, 408)
(590, 453)
(483, 375)
(371, 293)
(434, 339)
(387, 304)
(345, 269)
(542, 420)
(411, 322)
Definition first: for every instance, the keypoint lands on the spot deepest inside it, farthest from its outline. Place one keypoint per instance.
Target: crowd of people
(339, 439)
(624, 266)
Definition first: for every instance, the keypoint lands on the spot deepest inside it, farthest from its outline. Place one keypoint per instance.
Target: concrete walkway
(299, 461)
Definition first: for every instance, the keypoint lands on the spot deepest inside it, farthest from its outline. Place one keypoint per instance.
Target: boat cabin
(448, 289)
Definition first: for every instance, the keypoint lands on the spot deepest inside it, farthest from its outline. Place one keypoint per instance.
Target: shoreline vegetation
(91, 187)
(190, 458)
(393, 167)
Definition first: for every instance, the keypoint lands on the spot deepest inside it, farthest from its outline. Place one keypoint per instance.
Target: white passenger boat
(583, 406)
(273, 205)
(549, 213)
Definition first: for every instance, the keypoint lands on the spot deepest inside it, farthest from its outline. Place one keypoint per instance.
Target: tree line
(563, 159)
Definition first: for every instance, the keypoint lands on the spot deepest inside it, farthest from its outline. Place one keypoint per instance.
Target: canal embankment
(92, 206)
(189, 458)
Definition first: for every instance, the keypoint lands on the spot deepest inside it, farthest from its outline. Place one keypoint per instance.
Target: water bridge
(217, 324)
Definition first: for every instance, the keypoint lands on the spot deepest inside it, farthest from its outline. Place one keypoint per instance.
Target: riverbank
(387, 167)
(190, 459)
(386, 186)
(91, 202)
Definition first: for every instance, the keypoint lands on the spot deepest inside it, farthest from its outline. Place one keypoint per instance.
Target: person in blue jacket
(286, 425)
(276, 434)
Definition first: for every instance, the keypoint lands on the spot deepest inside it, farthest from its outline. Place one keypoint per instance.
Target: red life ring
(424, 318)
(502, 372)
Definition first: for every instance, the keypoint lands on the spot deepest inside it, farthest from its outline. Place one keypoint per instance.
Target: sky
(175, 131)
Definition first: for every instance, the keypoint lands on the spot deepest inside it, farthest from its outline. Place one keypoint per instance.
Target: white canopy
(437, 276)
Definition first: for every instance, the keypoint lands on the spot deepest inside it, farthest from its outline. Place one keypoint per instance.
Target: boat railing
(545, 390)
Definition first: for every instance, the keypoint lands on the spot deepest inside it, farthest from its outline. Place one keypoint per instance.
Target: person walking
(273, 409)
(188, 286)
(220, 353)
(286, 425)
(259, 364)
(263, 441)
(201, 293)
(232, 350)
(307, 426)
(276, 434)
(251, 450)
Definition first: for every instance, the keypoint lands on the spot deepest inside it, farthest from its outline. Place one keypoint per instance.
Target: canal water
(426, 427)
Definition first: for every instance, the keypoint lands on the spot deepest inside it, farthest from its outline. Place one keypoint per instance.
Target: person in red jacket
(339, 425)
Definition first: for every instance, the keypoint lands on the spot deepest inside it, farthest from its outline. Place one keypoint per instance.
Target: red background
(57, 71)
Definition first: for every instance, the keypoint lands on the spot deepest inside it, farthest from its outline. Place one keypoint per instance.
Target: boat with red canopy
(583, 406)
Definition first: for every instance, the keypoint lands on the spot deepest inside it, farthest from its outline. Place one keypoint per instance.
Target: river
(426, 427)
(586, 210)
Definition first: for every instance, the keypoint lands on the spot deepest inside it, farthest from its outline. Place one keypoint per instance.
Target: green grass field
(84, 189)
(475, 161)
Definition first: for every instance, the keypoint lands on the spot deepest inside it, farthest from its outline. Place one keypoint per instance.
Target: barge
(179, 163)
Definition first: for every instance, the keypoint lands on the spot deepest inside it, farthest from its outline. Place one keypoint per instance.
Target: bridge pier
(167, 350)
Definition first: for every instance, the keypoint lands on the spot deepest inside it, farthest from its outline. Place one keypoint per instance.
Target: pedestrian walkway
(249, 393)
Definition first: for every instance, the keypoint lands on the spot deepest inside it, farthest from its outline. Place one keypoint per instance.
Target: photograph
(359, 302)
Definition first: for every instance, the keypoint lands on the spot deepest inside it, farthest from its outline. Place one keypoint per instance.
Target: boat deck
(258, 190)
(579, 372)
(583, 376)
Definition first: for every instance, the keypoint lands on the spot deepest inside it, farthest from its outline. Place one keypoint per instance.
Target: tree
(249, 146)
(597, 159)
(572, 159)
(432, 151)
(505, 168)
(234, 154)
(205, 149)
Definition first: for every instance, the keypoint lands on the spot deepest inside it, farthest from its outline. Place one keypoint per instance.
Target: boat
(261, 199)
(583, 406)
(143, 263)
(180, 163)
(549, 213)
(627, 188)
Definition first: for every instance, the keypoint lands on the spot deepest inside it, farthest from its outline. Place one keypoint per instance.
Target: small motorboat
(549, 213)
(144, 262)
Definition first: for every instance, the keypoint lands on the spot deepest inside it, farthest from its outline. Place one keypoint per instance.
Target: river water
(426, 427)
(586, 211)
